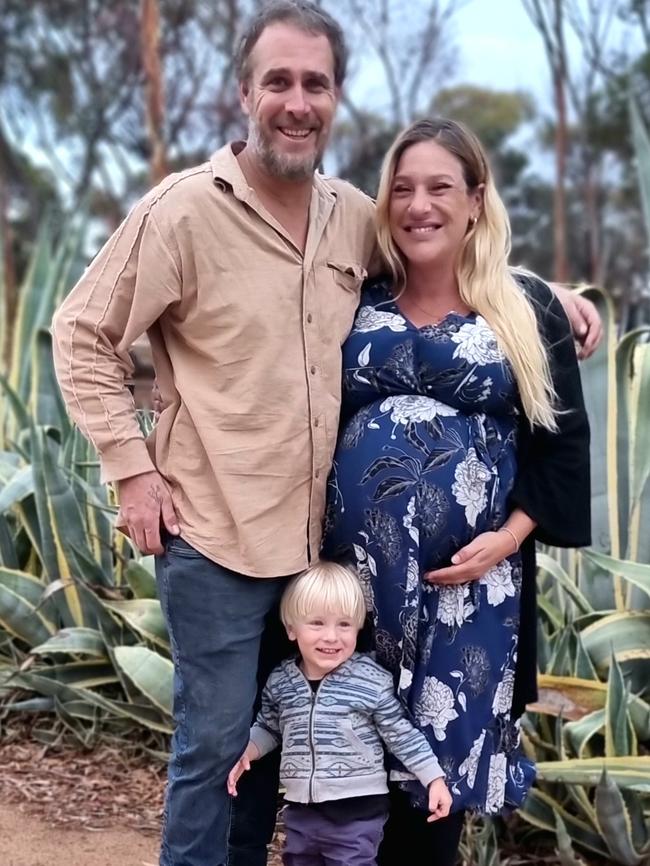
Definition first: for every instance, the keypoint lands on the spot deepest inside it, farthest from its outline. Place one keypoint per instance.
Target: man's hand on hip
(145, 506)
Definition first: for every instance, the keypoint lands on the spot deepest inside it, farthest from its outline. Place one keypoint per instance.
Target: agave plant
(80, 624)
(590, 731)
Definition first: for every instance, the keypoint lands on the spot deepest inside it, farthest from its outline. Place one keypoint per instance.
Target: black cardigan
(553, 477)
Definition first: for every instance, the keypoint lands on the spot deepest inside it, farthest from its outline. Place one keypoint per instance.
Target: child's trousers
(312, 839)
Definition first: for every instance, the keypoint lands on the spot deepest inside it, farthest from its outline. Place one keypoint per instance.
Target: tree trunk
(8, 280)
(154, 91)
(560, 264)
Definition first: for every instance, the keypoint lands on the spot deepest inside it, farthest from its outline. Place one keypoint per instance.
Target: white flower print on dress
(407, 520)
(409, 408)
(469, 488)
(412, 578)
(470, 764)
(435, 707)
(499, 583)
(502, 702)
(405, 679)
(454, 606)
(496, 792)
(477, 343)
(370, 319)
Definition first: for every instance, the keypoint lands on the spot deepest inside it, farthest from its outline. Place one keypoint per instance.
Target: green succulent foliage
(590, 731)
(82, 635)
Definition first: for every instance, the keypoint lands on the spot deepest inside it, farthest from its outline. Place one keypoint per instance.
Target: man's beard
(281, 165)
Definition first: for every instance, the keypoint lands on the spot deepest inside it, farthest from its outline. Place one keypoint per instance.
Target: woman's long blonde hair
(485, 282)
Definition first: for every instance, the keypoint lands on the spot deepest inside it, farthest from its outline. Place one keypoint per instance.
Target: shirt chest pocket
(338, 290)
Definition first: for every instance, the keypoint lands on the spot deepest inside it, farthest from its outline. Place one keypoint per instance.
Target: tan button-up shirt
(245, 332)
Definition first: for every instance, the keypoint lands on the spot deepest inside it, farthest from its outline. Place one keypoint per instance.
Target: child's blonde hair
(326, 587)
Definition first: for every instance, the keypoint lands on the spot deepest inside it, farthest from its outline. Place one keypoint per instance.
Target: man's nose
(297, 102)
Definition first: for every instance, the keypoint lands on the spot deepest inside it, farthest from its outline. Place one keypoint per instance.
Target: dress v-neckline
(449, 315)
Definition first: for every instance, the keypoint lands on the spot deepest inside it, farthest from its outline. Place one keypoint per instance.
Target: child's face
(325, 641)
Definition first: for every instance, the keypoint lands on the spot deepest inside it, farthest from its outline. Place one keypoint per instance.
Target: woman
(464, 438)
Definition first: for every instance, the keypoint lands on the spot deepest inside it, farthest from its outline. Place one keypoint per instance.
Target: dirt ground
(27, 840)
(66, 805)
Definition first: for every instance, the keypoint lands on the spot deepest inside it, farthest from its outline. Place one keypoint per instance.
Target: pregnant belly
(439, 480)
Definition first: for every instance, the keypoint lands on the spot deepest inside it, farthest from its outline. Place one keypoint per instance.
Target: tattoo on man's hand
(155, 493)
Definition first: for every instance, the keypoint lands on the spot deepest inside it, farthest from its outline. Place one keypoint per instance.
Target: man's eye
(277, 82)
(400, 190)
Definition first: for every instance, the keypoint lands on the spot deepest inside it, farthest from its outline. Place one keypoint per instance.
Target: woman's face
(430, 204)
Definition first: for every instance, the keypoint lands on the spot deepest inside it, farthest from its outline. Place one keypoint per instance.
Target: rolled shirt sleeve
(126, 288)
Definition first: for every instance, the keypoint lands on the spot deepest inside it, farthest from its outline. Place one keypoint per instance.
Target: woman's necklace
(437, 317)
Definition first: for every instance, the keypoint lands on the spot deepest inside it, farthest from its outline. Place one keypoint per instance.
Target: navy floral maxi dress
(426, 461)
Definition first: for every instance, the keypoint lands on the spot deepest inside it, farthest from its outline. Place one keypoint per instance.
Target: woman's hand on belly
(474, 560)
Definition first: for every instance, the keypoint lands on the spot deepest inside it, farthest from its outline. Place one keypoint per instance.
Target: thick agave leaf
(540, 809)
(145, 617)
(548, 565)
(17, 488)
(150, 673)
(626, 772)
(8, 552)
(29, 587)
(634, 357)
(627, 635)
(65, 551)
(600, 390)
(620, 738)
(615, 824)
(146, 716)
(636, 573)
(582, 731)
(85, 674)
(565, 852)
(141, 580)
(46, 401)
(73, 641)
(20, 596)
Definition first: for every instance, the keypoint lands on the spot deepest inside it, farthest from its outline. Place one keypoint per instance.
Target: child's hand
(243, 764)
(439, 800)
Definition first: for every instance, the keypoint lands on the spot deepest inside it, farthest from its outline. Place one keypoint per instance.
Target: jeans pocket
(177, 546)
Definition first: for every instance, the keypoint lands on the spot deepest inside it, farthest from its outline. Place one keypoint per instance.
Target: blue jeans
(226, 638)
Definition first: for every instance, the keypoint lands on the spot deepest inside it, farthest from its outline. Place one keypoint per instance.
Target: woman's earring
(474, 220)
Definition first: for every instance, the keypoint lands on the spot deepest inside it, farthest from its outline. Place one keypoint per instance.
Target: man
(245, 272)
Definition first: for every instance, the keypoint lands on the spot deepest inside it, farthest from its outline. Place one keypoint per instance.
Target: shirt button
(310, 318)
(316, 422)
(317, 473)
(312, 370)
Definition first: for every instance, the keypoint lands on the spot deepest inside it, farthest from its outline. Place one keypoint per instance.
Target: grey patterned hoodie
(332, 738)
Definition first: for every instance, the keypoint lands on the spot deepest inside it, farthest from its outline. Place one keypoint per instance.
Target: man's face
(290, 99)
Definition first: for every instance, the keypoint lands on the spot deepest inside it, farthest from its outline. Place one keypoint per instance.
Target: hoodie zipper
(312, 749)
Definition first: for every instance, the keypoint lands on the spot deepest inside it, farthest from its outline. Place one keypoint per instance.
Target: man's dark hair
(303, 15)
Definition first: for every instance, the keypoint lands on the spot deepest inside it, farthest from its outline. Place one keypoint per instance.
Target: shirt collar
(226, 170)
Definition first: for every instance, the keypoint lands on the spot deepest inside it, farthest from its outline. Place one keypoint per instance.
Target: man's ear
(244, 92)
(291, 633)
